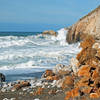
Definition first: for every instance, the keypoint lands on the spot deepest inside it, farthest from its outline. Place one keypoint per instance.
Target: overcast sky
(39, 15)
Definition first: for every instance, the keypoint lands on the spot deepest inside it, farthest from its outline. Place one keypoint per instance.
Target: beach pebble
(12, 98)
(9, 99)
(5, 85)
(5, 99)
(36, 99)
(3, 90)
(20, 93)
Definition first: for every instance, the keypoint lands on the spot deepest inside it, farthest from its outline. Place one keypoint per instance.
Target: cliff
(87, 25)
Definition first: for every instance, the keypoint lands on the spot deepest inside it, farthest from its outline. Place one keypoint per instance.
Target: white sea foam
(61, 36)
(21, 54)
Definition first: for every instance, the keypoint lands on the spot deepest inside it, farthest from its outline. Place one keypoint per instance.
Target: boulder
(72, 94)
(51, 78)
(61, 69)
(49, 32)
(89, 24)
(84, 71)
(87, 79)
(68, 82)
(74, 64)
(48, 73)
(2, 77)
(85, 55)
(96, 46)
(94, 95)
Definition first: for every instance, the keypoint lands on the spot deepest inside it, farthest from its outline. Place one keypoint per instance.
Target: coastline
(80, 80)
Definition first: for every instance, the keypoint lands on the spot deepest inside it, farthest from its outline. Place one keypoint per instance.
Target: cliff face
(89, 24)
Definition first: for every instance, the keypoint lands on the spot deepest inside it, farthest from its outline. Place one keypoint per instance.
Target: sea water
(25, 55)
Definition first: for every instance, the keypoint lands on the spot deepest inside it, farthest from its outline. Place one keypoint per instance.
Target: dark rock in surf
(2, 77)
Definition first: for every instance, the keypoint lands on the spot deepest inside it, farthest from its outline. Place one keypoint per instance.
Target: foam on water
(35, 53)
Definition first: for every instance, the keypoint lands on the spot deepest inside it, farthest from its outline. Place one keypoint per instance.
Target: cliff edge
(88, 25)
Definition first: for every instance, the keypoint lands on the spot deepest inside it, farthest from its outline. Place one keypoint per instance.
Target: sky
(40, 15)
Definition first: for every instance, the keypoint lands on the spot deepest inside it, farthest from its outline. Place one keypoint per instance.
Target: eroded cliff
(89, 24)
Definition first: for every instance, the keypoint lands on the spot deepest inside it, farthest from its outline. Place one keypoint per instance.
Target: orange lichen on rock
(88, 42)
(82, 82)
(69, 81)
(20, 85)
(72, 94)
(85, 55)
(94, 95)
(84, 71)
(63, 73)
(39, 91)
(48, 73)
(97, 82)
(53, 92)
(95, 75)
(87, 78)
(93, 62)
(98, 53)
(86, 90)
(52, 78)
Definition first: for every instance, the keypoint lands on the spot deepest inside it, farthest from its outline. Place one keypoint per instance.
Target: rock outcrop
(89, 24)
(87, 79)
(2, 77)
(49, 32)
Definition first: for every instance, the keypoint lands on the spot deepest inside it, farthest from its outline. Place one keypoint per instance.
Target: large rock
(74, 64)
(49, 32)
(2, 77)
(61, 69)
(89, 24)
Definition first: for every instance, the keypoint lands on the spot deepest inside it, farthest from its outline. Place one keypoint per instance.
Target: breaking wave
(20, 54)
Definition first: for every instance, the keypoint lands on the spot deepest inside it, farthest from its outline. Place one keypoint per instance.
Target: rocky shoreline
(78, 81)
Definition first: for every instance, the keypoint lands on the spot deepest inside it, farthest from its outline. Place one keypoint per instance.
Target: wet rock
(2, 77)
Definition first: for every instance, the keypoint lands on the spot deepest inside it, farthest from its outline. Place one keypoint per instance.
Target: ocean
(25, 55)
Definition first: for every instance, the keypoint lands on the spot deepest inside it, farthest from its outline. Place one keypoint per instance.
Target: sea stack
(87, 25)
(49, 32)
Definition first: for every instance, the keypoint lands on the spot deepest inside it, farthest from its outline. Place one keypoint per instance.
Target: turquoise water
(24, 55)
